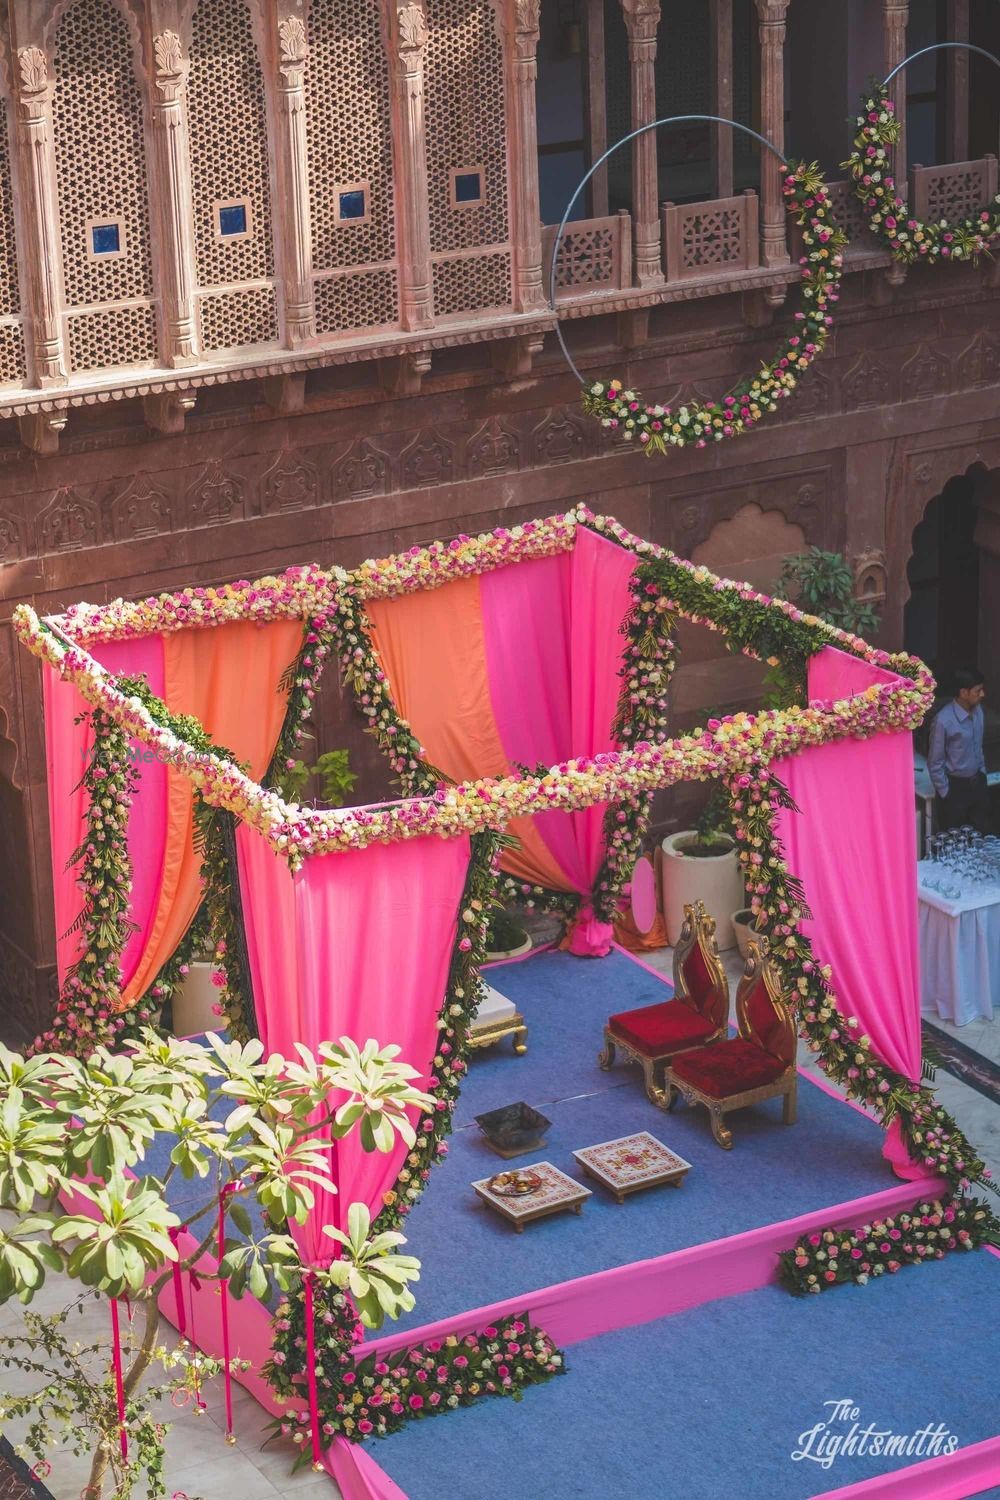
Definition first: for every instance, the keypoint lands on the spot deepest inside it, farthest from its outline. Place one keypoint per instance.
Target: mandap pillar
(771, 28)
(406, 44)
(172, 199)
(292, 160)
(642, 17)
(34, 88)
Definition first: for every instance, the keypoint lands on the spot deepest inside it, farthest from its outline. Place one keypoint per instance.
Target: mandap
(517, 683)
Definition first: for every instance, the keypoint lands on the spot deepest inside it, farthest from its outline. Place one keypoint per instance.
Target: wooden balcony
(710, 239)
(954, 191)
(595, 256)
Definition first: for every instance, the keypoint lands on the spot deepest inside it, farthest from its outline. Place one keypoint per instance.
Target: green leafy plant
(73, 1130)
(333, 772)
(370, 1269)
(505, 933)
(821, 584)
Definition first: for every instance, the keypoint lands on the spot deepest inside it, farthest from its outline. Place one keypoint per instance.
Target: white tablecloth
(959, 952)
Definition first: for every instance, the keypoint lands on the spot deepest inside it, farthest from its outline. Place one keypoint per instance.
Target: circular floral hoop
(908, 239)
(658, 428)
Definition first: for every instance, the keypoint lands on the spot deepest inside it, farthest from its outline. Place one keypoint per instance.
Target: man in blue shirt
(955, 761)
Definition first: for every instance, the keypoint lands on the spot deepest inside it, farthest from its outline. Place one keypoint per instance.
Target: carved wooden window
(466, 134)
(12, 364)
(101, 181)
(230, 171)
(350, 151)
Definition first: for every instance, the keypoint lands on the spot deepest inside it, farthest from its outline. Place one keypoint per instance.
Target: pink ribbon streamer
(175, 1235)
(227, 1378)
(311, 1372)
(119, 1379)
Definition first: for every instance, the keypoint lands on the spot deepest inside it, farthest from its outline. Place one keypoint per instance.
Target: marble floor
(198, 1461)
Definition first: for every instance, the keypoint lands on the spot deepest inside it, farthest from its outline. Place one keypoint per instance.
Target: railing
(954, 191)
(849, 215)
(595, 255)
(711, 239)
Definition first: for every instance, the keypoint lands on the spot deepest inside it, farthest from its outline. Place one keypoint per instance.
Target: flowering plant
(378, 1395)
(908, 238)
(658, 428)
(830, 1257)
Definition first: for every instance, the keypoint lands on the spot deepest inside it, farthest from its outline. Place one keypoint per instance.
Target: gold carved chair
(757, 1064)
(697, 1014)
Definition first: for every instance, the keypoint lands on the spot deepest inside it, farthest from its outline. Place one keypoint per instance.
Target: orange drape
(433, 651)
(227, 677)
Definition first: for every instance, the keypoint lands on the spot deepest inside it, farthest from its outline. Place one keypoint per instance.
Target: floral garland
(908, 239)
(658, 428)
(301, 681)
(831, 1257)
(647, 666)
(88, 1013)
(929, 1133)
(378, 1395)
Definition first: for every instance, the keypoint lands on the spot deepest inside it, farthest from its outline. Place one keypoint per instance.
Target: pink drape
(554, 648)
(67, 747)
(357, 945)
(854, 849)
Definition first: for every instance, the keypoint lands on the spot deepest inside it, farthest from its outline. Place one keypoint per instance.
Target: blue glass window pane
(233, 220)
(352, 204)
(106, 239)
(468, 187)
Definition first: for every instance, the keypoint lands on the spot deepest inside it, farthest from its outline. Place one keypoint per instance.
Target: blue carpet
(710, 1404)
(471, 1257)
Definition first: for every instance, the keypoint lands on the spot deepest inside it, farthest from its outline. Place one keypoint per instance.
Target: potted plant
(701, 864)
(506, 938)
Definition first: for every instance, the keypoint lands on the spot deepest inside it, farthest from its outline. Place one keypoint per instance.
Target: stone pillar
(771, 28)
(292, 161)
(40, 216)
(722, 136)
(895, 14)
(406, 43)
(172, 199)
(957, 94)
(642, 17)
(518, 23)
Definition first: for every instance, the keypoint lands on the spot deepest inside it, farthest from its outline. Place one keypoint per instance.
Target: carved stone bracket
(515, 357)
(403, 374)
(286, 394)
(167, 412)
(633, 327)
(41, 430)
(870, 577)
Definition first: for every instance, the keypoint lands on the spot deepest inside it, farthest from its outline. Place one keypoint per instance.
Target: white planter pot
(193, 1001)
(744, 931)
(716, 881)
(525, 947)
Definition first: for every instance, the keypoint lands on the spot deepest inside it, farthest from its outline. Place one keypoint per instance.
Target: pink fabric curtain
(554, 649)
(854, 849)
(67, 748)
(356, 945)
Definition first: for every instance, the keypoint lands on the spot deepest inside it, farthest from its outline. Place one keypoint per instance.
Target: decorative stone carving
(292, 154)
(68, 523)
(925, 373)
(806, 509)
(869, 382)
(870, 577)
(428, 460)
(141, 511)
(290, 484)
(11, 542)
(41, 430)
(292, 42)
(168, 56)
(771, 31)
(172, 169)
(167, 412)
(361, 473)
(411, 27)
(642, 17)
(923, 473)
(33, 69)
(979, 364)
(527, 13)
(559, 439)
(216, 496)
(493, 450)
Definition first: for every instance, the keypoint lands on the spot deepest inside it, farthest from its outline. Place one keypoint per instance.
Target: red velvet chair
(758, 1064)
(697, 1014)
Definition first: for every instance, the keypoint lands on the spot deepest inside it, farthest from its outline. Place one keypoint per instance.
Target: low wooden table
(632, 1162)
(556, 1192)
